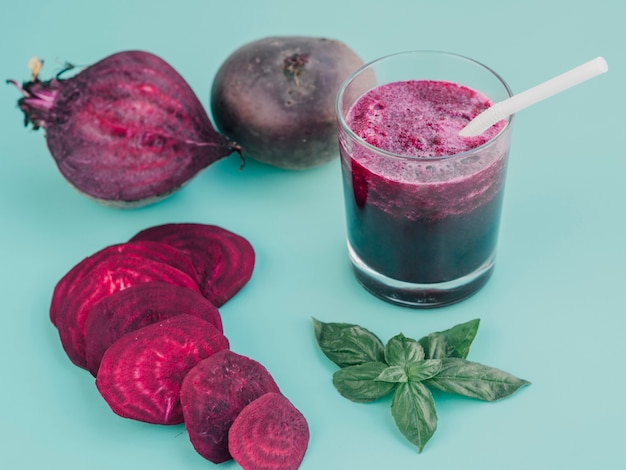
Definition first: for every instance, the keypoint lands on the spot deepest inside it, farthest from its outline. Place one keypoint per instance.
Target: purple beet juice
(423, 204)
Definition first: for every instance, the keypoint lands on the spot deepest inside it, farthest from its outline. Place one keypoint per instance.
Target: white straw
(516, 103)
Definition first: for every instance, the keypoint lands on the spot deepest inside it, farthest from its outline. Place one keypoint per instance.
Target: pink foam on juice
(431, 191)
(420, 118)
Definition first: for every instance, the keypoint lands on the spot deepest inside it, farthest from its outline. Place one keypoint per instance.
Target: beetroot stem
(237, 148)
(38, 100)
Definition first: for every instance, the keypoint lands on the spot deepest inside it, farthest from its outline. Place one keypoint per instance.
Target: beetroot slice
(115, 273)
(224, 260)
(140, 375)
(143, 304)
(147, 249)
(269, 434)
(212, 395)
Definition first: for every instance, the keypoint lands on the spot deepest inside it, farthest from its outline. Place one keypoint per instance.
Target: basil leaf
(413, 410)
(454, 342)
(393, 374)
(401, 351)
(346, 344)
(358, 383)
(475, 380)
(422, 370)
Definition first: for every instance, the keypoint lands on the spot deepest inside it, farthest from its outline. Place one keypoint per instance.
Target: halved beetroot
(115, 273)
(144, 249)
(140, 375)
(127, 131)
(143, 304)
(269, 434)
(224, 260)
(212, 395)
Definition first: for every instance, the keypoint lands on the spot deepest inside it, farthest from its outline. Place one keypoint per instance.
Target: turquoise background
(553, 313)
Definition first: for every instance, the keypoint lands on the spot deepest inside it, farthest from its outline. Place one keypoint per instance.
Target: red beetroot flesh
(140, 249)
(141, 373)
(212, 395)
(127, 130)
(224, 260)
(110, 275)
(269, 434)
(143, 304)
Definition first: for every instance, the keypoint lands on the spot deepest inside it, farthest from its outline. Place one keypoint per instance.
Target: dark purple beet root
(115, 273)
(140, 249)
(269, 434)
(294, 81)
(212, 395)
(126, 131)
(223, 260)
(140, 375)
(143, 304)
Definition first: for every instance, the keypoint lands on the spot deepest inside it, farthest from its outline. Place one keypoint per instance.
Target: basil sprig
(409, 368)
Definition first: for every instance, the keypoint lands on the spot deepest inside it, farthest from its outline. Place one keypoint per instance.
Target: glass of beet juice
(422, 203)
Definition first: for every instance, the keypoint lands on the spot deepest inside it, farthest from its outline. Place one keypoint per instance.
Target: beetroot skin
(276, 98)
(143, 304)
(113, 274)
(212, 395)
(269, 434)
(140, 375)
(127, 131)
(224, 260)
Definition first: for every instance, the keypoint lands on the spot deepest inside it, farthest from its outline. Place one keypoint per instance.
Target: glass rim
(344, 125)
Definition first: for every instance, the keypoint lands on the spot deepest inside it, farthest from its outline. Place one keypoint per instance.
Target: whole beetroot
(276, 98)
(127, 131)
